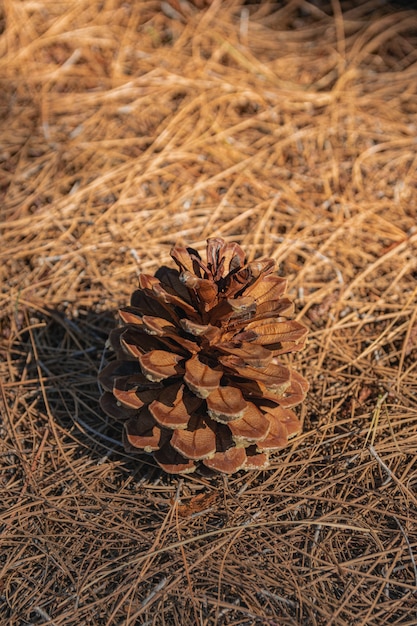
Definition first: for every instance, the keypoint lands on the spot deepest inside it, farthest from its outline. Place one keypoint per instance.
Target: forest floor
(290, 128)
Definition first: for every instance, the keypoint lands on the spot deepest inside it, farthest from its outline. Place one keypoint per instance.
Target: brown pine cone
(197, 379)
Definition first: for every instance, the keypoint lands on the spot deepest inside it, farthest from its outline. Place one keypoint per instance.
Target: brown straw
(126, 128)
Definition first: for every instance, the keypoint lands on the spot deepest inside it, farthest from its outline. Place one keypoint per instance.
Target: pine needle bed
(127, 128)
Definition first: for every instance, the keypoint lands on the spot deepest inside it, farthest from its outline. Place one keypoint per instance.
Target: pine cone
(197, 378)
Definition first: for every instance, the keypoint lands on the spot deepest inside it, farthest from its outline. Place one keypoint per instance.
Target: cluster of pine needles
(288, 127)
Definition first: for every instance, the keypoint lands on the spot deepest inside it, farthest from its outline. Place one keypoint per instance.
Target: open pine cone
(197, 378)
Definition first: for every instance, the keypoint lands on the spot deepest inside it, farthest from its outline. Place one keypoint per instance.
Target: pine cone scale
(225, 404)
(267, 288)
(273, 376)
(158, 365)
(143, 432)
(252, 354)
(200, 378)
(256, 460)
(252, 426)
(276, 438)
(278, 332)
(228, 462)
(198, 441)
(172, 461)
(114, 409)
(173, 407)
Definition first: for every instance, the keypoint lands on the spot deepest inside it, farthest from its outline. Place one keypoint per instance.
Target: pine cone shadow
(62, 356)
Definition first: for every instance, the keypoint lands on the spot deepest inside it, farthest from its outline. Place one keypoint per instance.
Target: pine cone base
(197, 378)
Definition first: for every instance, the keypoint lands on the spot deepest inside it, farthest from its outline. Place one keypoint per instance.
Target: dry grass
(290, 128)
